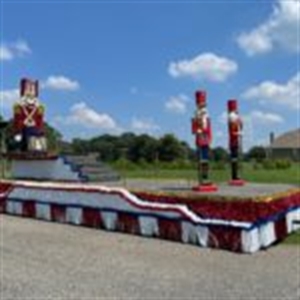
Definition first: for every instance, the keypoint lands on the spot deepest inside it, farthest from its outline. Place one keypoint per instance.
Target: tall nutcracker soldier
(201, 128)
(235, 128)
(28, 120)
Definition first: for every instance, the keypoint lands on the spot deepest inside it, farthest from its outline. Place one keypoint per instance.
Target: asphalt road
(41, 260)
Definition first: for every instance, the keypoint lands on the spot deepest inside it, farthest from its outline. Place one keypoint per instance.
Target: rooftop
(290, 139)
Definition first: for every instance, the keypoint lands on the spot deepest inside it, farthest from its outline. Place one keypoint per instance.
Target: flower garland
(245, 210)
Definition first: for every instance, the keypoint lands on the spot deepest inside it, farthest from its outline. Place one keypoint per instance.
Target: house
(286, 145)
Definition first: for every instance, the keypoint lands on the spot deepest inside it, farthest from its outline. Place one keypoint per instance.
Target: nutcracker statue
(201, 128)
(235, 127)
(28, 119)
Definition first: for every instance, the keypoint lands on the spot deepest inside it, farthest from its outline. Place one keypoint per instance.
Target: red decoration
(205, 188)
(91, 217)
(29, 209)
(246, 210)
(237, 182)
(170, 229)
(58, 213)
(225, 237)
(200, 98)
(26, 115)
(232, 105)
(128, 223)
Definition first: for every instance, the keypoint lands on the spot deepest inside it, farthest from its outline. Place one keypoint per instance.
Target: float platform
(242, 219)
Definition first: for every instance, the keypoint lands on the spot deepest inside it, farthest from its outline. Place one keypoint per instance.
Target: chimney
(272, 138)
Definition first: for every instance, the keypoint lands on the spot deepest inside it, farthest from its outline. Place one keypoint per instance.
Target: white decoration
(14, 207)
(148, 226)
(250, 240)
(109, 220)
(267, 234)
(42, 211)
(74, 215)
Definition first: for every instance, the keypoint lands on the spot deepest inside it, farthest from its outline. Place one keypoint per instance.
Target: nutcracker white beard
(202, 115)
(233, 116)
(29, 100)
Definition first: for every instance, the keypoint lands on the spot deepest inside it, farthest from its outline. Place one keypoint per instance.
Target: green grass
(293, 239)
(248, 172)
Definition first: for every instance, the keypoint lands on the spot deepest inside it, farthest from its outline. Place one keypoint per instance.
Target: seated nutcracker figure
(235, 128)
(201, 128)
(28, 120)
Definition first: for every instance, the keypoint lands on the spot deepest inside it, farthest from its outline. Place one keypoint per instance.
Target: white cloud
(13, 50)
(21, 47)
(8, 98)
(280, 29)
(255, 116)
(264, 118)
(287, 94)
(207, 66)
(222, 119)
(60, 83)
(265, 121)
(251, 121)
(81, 114)
(144, 125)
(5, 53)
(177, 104)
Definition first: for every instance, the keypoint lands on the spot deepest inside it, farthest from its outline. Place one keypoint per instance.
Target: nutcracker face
(29, 91)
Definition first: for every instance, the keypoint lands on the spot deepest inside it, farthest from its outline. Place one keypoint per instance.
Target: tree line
(132, 147)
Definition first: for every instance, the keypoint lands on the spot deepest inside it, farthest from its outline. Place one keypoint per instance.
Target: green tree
(53, 138)
(170, 148)
(219, 154)
(257, 153)
(79, 146)
(105, 146)
(144, 147)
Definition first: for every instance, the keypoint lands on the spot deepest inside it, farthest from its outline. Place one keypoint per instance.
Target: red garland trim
(117, 193)
(244, 211)
(247, 210)
(5, 187)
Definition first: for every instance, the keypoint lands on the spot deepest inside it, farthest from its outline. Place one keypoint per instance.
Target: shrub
(218, 165)
(283, 164)
(256, 165)
(268, 164)
(124, 164)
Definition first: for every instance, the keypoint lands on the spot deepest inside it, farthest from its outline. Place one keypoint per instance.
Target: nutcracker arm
(18, 120)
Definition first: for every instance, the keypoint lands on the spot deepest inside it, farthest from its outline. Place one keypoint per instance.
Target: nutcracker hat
(25, 82)
(200, 98)
(232, 105)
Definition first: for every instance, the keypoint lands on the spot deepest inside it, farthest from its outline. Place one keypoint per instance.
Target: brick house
(286, 145)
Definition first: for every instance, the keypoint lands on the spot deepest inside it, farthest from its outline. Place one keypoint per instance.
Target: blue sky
(116, 66)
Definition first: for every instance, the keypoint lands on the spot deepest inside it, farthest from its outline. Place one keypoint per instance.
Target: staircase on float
(74, 168)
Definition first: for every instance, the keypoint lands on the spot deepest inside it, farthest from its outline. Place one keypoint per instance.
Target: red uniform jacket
(234, 130)
(202, 129)
(28, 116)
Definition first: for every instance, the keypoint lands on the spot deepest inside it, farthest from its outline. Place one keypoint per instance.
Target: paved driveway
(41, 260)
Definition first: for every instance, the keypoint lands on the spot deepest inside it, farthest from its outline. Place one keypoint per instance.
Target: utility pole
(3, 126)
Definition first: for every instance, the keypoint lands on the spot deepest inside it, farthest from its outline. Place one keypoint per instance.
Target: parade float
(233, 216)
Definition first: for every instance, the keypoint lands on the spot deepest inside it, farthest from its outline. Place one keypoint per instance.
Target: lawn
(249, 172)
(293, 239)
